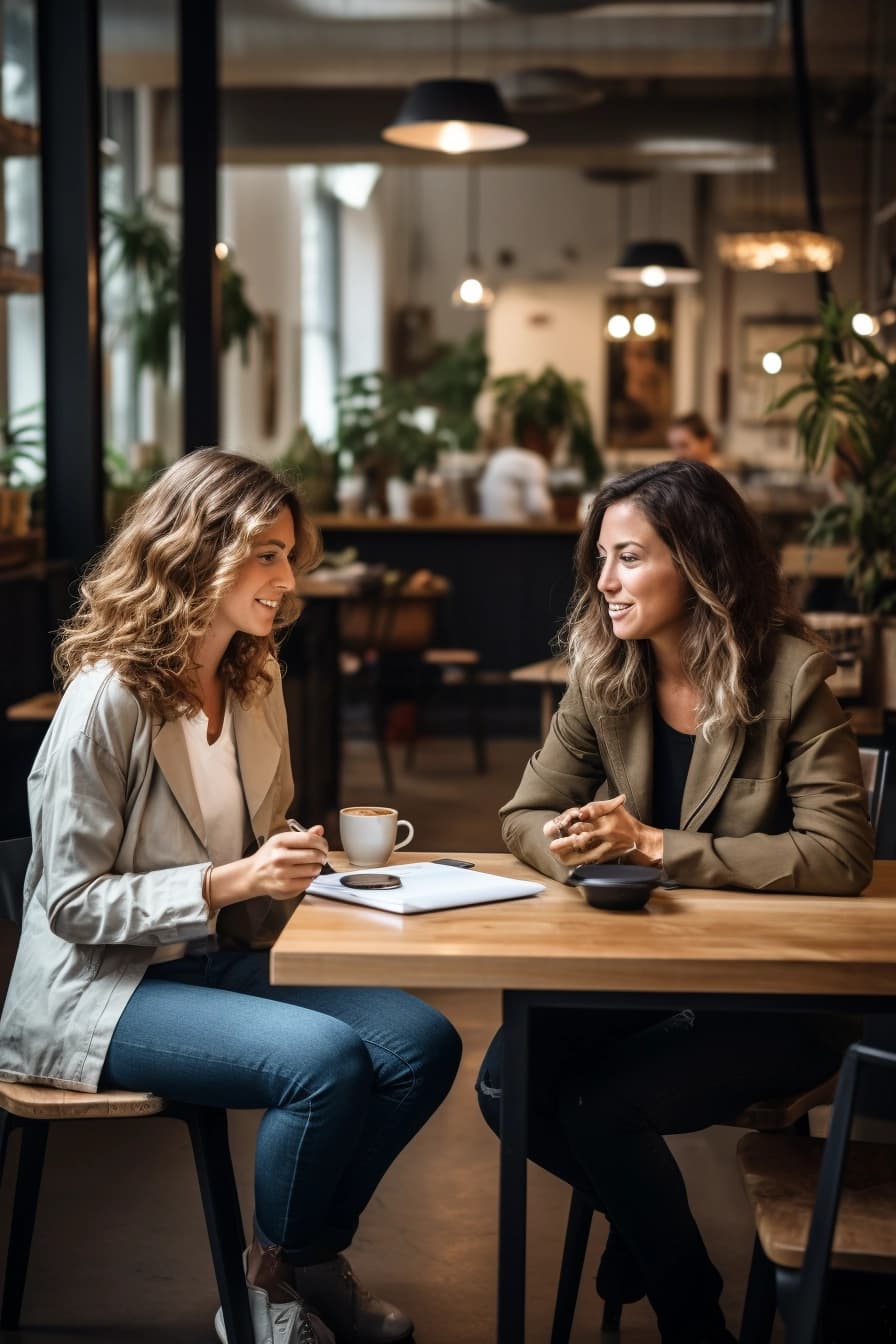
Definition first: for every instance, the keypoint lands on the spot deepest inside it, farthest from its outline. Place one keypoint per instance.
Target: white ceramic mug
(368, 834)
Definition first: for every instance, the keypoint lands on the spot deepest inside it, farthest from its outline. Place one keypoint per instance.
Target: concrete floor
(120, 1251)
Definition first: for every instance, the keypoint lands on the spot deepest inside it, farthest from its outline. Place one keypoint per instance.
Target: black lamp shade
(471, 108)
(655, 252)
(661, 255)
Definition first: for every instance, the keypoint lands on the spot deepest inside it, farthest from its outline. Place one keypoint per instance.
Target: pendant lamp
(454, 116)
(654, 263)
(472, 290)
(788, 251)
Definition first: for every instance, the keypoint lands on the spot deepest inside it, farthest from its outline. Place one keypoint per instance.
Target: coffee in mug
(368, 834)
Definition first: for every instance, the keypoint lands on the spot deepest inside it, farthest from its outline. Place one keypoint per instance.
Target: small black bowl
(613, 886)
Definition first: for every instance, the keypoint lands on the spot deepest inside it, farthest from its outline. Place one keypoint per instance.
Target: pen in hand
(297, 826)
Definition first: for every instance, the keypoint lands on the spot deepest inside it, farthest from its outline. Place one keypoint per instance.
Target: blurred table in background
(551, 675)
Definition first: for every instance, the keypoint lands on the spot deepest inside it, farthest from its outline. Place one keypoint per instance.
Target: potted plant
(547, 413)
(311, 468)
(138, 241)
(125, 480)
(848, 421)
(21, 476)
(381, 433)
(452, 384)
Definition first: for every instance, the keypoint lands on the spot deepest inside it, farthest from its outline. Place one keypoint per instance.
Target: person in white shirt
(162, 859)
(513, 487)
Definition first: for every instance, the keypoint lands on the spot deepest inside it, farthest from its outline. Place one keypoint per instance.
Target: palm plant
(849, 415)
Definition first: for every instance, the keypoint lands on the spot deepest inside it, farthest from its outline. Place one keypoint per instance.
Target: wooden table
(713, 949)
(551, 675)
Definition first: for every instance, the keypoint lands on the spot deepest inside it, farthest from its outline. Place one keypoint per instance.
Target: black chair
(391, 630)
(875, 767)
(821, 1205)
(30, 1109)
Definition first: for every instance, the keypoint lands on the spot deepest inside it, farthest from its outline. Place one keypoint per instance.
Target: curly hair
(150, 595)
(736, 605)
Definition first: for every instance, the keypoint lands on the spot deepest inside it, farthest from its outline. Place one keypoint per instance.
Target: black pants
(605, 1087)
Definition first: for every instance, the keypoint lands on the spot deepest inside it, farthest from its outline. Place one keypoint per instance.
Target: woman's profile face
(644, 591)
(250, 606)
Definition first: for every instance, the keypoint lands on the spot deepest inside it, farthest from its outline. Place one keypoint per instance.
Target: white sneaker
(279, 1322)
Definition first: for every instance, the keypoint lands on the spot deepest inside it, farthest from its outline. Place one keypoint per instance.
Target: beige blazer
(776, 806)
(117, 868)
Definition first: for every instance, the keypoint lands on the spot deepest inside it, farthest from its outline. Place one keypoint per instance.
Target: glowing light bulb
(455, 138)
(619, 327)
(653, 276)
(221, 251)
(644, 324)
(471, 290)
(772, 362)
(863, 324)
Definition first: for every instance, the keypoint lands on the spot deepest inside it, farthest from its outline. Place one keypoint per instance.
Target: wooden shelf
(18, 138)
(16, 281)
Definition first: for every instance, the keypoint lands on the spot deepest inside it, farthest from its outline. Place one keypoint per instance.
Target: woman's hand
(602, 831)
(281, 868)
(288, 861)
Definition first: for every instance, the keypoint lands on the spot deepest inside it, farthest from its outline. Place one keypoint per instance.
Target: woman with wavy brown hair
(698, 736)
(163, 863)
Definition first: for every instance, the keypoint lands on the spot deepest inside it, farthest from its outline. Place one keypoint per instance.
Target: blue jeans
(346, 1077)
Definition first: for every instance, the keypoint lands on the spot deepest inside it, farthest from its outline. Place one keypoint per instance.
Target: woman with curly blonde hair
(698, 736)
(163, 862)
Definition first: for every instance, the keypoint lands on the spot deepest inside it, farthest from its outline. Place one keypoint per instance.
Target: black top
(672, 753)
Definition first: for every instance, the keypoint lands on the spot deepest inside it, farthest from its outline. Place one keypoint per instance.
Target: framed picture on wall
(639, 370)
(763, 377)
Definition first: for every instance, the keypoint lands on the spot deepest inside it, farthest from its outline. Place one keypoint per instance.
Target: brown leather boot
(353, 1314)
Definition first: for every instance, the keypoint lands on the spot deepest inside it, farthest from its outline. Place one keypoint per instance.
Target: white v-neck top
(216, 779)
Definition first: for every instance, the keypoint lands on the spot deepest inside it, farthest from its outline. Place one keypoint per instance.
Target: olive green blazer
(776, 806)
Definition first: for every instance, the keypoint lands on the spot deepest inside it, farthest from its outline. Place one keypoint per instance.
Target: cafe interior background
(349, 358)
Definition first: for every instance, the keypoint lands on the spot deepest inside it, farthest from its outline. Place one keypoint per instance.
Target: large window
(320, 304)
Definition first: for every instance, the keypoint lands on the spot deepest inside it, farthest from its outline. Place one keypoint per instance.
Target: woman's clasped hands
(602, 831)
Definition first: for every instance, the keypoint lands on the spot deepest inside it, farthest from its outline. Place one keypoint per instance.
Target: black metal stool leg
(578, 1226)
(378, 722)
(477, 732)
(211, 1152)
(759, 1304)
(31, 1165)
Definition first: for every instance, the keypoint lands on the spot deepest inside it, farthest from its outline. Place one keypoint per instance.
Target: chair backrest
(15, 856)
(859, 1062)
(875, 765)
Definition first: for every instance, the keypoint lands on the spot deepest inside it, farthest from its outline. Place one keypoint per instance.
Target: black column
(200, 298)
(803, 95)
(68, 72)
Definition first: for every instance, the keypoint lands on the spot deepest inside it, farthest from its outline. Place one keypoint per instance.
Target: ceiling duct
(549, 89)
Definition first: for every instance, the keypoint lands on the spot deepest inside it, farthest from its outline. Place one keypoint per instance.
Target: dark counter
(511, 585)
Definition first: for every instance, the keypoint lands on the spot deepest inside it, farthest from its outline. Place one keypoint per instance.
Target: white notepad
(427, 886)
